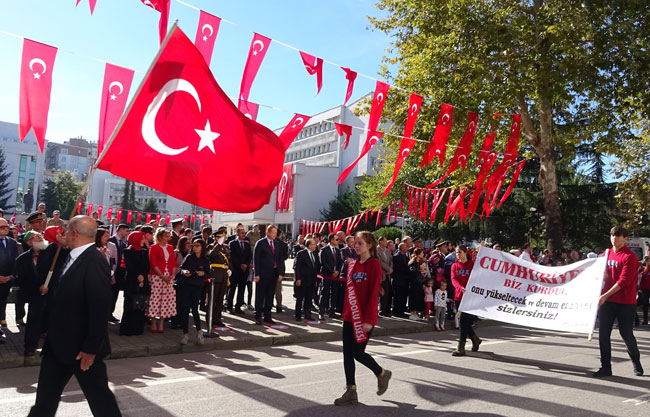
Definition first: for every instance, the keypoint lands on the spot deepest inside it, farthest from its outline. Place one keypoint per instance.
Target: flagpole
(591, 334)
(84, 189)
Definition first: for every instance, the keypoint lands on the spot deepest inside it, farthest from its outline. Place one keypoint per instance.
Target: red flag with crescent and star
(463, 150)
(115, 94)
(259, 45)
(184, 124)
(344, 130)
(438, 146)
(284, 188)
(350, 76)
(206, 34)
(373, 137)
(161, 6)
(35, 88)
(292, 129)
(407, 143)
(313, 65)
(249, 109)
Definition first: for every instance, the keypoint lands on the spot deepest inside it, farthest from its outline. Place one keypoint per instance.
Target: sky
(125, 33)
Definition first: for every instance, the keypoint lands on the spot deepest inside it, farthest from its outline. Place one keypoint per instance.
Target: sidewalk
(243, 333)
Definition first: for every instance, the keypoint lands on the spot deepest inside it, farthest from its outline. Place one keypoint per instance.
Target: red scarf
(355, 309)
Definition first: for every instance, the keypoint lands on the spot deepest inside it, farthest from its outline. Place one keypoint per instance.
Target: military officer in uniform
(219, 257)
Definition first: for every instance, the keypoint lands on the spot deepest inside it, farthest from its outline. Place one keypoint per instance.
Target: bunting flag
(472, 205)
(283, 194)
(463, 150)
(449, 205)
(192, 219)
(410, 193)
(129, 216)
(486, 148)
(344, 130)
(388, 214)
(138, 217)
(512, 147)
(91, 4)
(438, 195)
(206, 34)
(161, 6)
(395, 212)
(13, 218)
(109, 214)
(259, 45)
(249, 109)
(99, 211)
(184, 217)
(79, 206)
(313, 65)
(115, 93)
(89, 210)
(421, 198)
(438, 146)
(373, 137)
(202, 219)
(378, 220)
(407, 143)
(292, 129)
(350, 76)
(35, 88)
(458, 206)
(158, 216)
(378, 101)
(426, 205)
(148, 218)
(168, 218)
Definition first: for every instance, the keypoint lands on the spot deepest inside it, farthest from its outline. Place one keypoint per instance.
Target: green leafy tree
(128, 199)
(347, 204)
(573, 70)
(5, 190)
(61, 193)
(151, 206)
(389, 232)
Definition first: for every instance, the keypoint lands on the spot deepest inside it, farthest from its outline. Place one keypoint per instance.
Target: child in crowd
(440, 306)
(428, 297)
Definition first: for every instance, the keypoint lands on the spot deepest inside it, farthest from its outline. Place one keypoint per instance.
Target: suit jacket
(330, 263)
(401, 272)
(239, 256)
(386, 261)
(347, 252)
(306, 272)
(26, 276)
(264, 258)
(79, 309)
(120, 272)
(8, 257)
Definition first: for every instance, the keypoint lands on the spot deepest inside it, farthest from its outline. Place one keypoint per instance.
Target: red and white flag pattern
(115, 93)
(313, 65)
(344, 130)
(206, 34)
(373, 138)
(350, 76)
(438, 146)
(163, 7)
(259, 45)
(249, 109)
(463, 150)
(292, 129)
(285, 188)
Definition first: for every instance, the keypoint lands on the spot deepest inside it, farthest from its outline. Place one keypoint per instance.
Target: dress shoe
(269, 321)
(603, 372)
(218, 324)
(321, 317)
(20, 322)
(278, 310)
(113, 319)
(238, 311)
(638, 369)
(258, 321)
(298, 318)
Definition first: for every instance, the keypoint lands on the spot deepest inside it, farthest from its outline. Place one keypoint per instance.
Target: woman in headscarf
(136, 290)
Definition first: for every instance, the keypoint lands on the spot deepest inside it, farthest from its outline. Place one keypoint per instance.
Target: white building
(25, 163)
(75, 155)
(318, 159)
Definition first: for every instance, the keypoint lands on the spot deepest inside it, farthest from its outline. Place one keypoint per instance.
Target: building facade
(75, 155)
(25, 163)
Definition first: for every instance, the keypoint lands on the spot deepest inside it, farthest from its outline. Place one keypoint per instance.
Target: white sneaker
(199, 338)
(185, 338)
(414, 317)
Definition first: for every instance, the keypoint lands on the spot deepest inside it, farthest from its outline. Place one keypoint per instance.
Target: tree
(61, 193)
(5, 190)
(346, 204)
(389, 232)
(573, 70)
(150, 206)
(128, 199)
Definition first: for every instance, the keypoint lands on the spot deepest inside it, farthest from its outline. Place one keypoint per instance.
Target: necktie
(241, 243)
(66, 267)
(275, 264)
(311, 255)
(4, 242)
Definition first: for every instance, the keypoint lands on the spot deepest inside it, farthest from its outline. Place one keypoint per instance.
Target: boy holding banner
(618, 302)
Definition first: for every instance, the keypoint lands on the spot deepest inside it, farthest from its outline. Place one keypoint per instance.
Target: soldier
(219, 257)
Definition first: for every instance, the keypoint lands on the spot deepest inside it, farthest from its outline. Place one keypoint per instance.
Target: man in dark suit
(119, 239)
(177, 226)
(241, 255)
(330, 266)
(8, 255)
(284, 255)
(306, 270)
(77, 338)
(400, 280)
(269, 269)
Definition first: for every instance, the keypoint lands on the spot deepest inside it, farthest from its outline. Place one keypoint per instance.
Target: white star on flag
(37, 75)
(207, 137)
(113, 97)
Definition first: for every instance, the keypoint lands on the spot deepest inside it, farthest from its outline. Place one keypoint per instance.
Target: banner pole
(590, 337)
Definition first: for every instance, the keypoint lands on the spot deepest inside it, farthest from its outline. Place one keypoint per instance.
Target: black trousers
(356, 351)
(249, 287)
(4, 293)
(607, 314)
(400, 295)
(466, 322)
(264, 293)
(386, 300)
(20, 302)
(53, 378)
(237, 284)
(304, 296)
(115, 288)
(644, 298)
(34, 322)
(220, 289)
(329, 295)
(189, 300)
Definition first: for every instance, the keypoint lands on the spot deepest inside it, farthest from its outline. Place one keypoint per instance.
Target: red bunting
(139, 217)
(342, 130)
(422, 192)
(338, 224)
(119, 215)
(161, 6)
(486, 149)
(148, 218)
(388, 214)
(284, 188)
(193, 219)
(458, 207)
(202, 219)
(167, 219)
(449, 205)
(350, 76)
(438, 146)
(438, 195)
(91, 4)
(378, 101)
(463, 150)
(426, 205)
(99, 211)
(292, 129)
(313, 65)
(378, 221)
(79, 206)
(129, 216)
(35, 87)
(410, 192)
(206, 34)
(158, 216)
(249, 109)
(512, 147)
(185, 217)
(259, 45)
(373, 137)
(115, 92)
(109, 214)
(89, 210)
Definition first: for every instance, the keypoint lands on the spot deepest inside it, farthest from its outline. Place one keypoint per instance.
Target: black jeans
(356, 351)
(53, 378)
(624, 313)
(466, 322)
(189, 300)
(304, 296)
(20, 302)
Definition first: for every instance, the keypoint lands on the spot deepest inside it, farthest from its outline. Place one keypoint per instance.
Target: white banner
(509, 289)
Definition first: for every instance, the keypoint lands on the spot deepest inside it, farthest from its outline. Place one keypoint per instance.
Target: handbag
(140, 302)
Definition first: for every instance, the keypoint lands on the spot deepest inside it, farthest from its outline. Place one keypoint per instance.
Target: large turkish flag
(183, 136)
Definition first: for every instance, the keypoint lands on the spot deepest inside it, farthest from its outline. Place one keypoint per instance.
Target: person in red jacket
(360, 311)
(618, 302)
(460, 271)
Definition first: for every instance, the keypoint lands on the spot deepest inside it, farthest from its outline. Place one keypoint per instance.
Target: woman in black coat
(190, 282)
(418, 276)
(137, 290)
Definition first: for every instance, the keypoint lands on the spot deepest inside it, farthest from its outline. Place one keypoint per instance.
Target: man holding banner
(618, 302)
(460, 272)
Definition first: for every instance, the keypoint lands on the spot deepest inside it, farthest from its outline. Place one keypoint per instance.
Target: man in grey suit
(386, 260)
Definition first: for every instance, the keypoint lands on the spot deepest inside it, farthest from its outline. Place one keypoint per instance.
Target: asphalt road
(518, 372)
